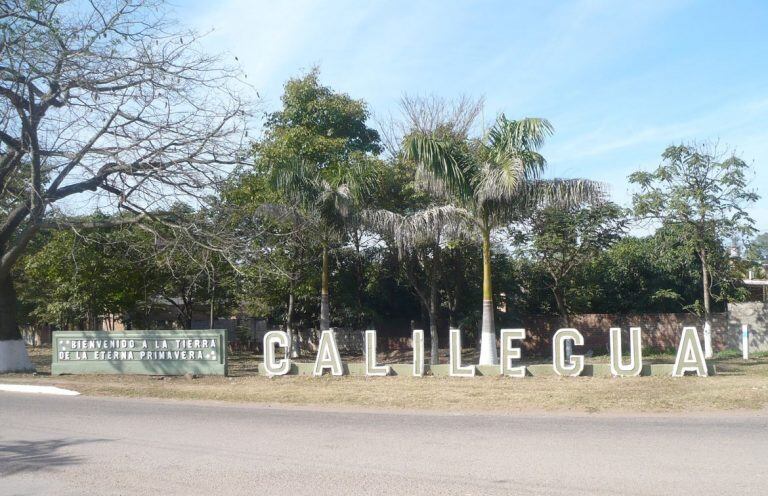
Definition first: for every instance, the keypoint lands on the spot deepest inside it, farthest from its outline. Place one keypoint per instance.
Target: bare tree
(429, 114)
(104, 105)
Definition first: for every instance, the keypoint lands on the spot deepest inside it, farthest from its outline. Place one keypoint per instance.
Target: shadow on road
(33, 456)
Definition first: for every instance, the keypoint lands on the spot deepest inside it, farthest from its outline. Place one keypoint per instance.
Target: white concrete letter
(576, 362)
(635, 366)
(456, 369)
(509, 353)
(272, 366)
(328, 355)
(370, 356)
(418, 352)
(690, 356)
(708, 340)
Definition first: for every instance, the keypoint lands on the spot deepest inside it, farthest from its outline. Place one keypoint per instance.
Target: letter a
(690, 356)
(328, 355)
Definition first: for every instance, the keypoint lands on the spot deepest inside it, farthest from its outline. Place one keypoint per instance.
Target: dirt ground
(738, 385)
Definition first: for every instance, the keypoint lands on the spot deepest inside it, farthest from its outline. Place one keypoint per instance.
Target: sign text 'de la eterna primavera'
(204, 352)
(139, 352)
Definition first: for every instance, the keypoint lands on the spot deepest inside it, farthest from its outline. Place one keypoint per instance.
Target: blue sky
(619, 80)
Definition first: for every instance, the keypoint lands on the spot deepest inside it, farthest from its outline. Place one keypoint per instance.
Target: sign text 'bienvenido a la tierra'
(139, 352)
(689, 359)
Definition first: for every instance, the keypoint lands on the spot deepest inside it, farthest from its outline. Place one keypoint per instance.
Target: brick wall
(660, 330)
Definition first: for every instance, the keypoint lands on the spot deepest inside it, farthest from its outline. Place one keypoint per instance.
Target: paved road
(80, 445)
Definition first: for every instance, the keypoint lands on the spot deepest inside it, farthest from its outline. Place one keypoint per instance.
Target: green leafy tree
(563, 240)
(323, 205)
(279, 281)
(194, 274)
(320, 157)
(318, 126)
(757, 255)
(700, 195)
(632, 276)
(74, 281)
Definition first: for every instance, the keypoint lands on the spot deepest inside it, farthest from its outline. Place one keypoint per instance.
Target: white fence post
(745, 341)
(707, 340)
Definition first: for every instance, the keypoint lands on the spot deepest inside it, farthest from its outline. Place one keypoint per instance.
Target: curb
(26, 388)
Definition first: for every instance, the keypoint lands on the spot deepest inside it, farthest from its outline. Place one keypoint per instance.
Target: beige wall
(755, 315)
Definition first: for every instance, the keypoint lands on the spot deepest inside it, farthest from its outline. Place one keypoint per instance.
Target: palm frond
(526, 134)
(498, 181)
(427, 226)
(508, 159)
(440, 160)
(360, 178)
(297, 180)
(562, 192)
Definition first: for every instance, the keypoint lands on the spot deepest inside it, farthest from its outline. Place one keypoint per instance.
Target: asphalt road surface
(79, 445)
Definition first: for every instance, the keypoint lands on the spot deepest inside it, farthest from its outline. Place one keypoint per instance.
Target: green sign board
(202, 352)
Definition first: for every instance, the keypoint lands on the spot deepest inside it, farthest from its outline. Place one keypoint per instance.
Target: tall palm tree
(495, 178)
(329, 199)
(420, 234)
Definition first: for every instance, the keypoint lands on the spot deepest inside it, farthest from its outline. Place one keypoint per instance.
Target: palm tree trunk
(359, 279)
(488, 355)
(325, 319)
(433, 317)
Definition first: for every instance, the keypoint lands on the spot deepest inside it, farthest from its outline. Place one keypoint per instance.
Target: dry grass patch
(738, 385)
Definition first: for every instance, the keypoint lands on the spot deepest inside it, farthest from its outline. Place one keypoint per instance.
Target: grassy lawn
(739, 385)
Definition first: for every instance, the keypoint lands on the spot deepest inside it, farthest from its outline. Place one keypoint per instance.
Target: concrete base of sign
(14, 357)
(665, 369)
(403, 369)
(437, 370)
(442, 370)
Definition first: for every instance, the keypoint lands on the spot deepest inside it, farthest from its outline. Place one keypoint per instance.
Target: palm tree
(496, 179)
(420, 234)
(325, 200)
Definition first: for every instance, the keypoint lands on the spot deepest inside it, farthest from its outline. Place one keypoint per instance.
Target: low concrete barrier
(442, 370)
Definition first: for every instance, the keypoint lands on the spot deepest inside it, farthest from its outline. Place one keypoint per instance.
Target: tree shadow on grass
(34, 456)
